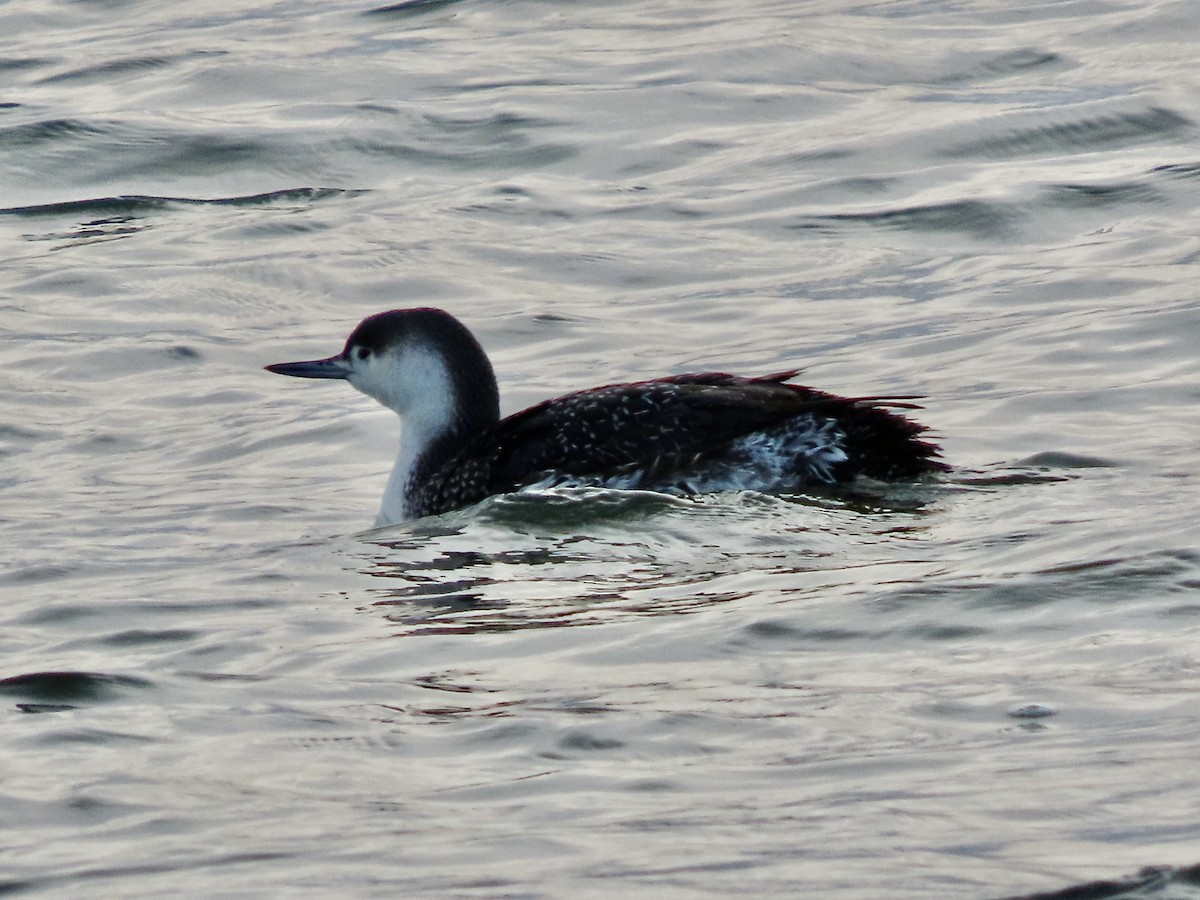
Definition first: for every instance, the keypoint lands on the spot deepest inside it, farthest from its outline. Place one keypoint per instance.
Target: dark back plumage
(670, 426)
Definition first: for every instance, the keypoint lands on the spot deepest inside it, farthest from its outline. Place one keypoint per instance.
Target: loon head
(421, 363)
(426, 366)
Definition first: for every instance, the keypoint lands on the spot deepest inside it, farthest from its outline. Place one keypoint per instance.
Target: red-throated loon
(681, 434)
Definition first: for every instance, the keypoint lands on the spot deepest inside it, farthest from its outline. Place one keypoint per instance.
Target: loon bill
(682, 433)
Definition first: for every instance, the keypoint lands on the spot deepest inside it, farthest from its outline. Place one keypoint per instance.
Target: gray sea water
(214, 680)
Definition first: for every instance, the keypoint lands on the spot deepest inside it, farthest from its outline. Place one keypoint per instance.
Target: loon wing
(683, 418)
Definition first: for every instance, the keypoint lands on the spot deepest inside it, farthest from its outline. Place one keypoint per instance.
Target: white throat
(412, 381)
(416, 435)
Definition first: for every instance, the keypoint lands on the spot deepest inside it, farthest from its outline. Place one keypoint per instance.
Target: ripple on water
(1073, 130)
(58, 691)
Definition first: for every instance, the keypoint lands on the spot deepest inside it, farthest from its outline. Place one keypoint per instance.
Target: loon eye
(362, 352)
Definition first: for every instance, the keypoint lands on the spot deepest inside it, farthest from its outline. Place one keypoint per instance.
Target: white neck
(416, 434)
(420, 391)
(391, 510)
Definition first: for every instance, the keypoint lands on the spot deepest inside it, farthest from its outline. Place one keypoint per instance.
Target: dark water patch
(556, 318)
(1105, 575)
(663, 873)
(499, 139)
(225, 676)
(98, 737)
(122, 204)
(93, 232)
(82, 882)
(440, 681)
(989, 68)
(1007, 479)
(37, 574)
(470, 85)
(1011, 595)
(581, 740)
(45, 707)
(1059, 459)
(47, 131)
(775, 630)
(944, 632)
(1084, 196)
(410, 8)
(979, 219)
(64, 689)
(475, 614)
(1179, 170)
(1040, 468)
(108, 70)
(449, 713)
(863, 184)
(1159, 882)
(1021, 61)
(270, 229)
(117, 150)
(456, 561)
(142, 637)
(1091, 133)
(11, 432)
(569, 508)
(18, 63)
(1113, 582)
(1190, 586)
(1032, 711)
(514, 190)
(868, 497)
(133, 204)
(203, 153)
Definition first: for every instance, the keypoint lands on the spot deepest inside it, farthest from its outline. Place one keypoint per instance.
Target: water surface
(215, 680)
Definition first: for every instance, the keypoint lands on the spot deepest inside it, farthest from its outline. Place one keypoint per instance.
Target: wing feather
(647, 424)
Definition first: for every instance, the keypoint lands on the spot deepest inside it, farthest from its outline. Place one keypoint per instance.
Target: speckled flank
(690, 433)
